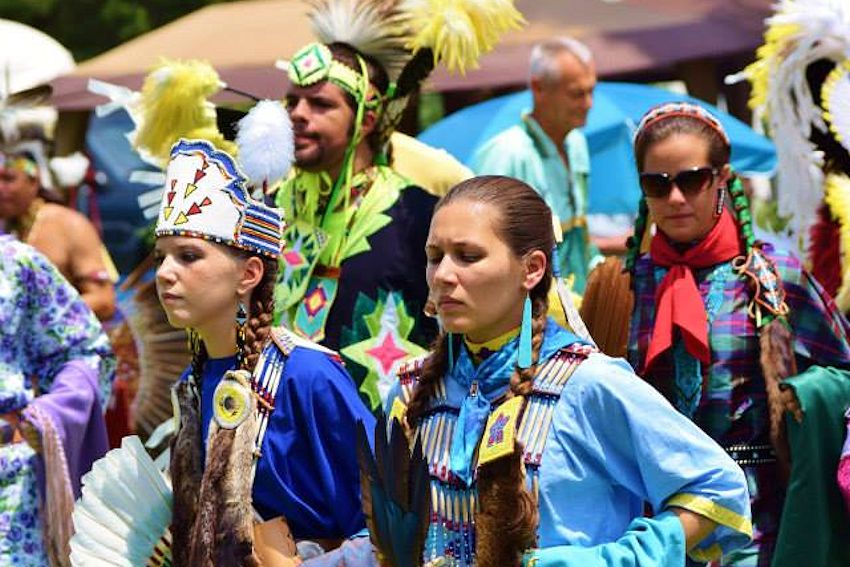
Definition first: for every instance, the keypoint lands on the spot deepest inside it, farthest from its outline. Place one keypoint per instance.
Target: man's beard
(314, 159)
(311, 163)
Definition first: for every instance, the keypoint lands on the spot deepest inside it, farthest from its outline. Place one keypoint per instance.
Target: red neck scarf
(678, 301)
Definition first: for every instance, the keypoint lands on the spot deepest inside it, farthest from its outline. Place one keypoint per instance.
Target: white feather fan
(123, 515)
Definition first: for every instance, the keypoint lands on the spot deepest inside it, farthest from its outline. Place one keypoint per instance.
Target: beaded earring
(721, 199)
(241, 319)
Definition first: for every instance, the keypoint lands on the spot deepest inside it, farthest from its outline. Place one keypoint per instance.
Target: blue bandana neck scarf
(485, 384)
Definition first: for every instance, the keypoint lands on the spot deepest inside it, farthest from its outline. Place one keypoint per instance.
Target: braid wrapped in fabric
(634, 242)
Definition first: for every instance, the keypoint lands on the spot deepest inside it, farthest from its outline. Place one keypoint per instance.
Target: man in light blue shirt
(547, 151)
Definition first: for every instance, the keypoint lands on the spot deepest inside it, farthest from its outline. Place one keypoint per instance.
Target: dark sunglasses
(689, 181)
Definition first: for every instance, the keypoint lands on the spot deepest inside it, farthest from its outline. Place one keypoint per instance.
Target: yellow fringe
(174, 105)
(840, 72)
(460, 31)
(776, 40)
(837, 198)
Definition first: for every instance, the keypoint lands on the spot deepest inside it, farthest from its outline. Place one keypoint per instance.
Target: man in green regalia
(352, 276)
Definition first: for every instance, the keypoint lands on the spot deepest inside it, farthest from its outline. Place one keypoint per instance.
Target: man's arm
(87, 266)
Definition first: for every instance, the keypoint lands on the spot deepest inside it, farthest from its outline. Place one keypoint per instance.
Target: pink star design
(387, 353)
(293, 258)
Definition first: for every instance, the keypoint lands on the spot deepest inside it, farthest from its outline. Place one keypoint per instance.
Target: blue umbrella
(617, 107)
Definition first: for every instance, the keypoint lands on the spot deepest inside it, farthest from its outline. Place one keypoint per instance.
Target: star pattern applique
(497, 432)
(386, 347)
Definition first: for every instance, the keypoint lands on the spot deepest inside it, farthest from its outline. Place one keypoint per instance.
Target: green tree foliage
(89, 27)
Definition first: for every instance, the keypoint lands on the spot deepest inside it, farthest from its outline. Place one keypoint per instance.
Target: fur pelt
(507, 517)
(212, 522)
(186, 471)
(777, 363)
(223, 533)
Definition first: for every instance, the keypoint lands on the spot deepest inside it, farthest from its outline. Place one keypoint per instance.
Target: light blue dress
(613, 444)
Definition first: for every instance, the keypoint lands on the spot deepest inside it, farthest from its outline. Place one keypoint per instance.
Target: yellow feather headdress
(174, 104)
(459, 32)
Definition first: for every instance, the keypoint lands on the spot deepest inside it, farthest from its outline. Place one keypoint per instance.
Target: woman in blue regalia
(539, 449)
(266, 420)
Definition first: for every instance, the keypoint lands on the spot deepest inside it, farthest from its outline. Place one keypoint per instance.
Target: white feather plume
(69, 171)
(377, 28)
(265, 142)
(124, 511)
(820, 30)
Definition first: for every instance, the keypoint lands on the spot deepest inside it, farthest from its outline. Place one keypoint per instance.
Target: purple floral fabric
(48, 335)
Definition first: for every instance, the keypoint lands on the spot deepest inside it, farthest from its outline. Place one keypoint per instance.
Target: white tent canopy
(29, 57)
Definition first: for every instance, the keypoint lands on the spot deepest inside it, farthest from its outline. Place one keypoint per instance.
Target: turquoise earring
(524, 354)
(451, 353)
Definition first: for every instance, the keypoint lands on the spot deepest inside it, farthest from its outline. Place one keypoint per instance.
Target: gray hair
(543, 65)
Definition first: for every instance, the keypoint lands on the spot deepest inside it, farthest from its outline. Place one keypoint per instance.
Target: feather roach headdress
(407, 38)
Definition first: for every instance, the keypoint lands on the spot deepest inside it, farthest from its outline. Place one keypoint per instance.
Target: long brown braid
(259, 323)
(199, 355)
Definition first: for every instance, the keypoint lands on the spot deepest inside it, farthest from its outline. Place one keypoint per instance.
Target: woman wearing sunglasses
(714, 307)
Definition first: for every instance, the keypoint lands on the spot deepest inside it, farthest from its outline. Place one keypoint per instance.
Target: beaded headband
(19, 163)
(315, 63)
(680, 109)
(206, 197)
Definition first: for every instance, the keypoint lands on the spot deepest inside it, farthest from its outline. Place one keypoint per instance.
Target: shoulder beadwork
(287, 341)
(409, 373)
(553, 375)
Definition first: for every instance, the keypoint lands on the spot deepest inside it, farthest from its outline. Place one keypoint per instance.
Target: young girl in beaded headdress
(266, 420)
(721, 320)
(539, 449)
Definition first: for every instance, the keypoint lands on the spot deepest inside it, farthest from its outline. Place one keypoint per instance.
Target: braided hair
(507, 516)
(775, 338)
(259, 323)
(524, 224)
(635, 240)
